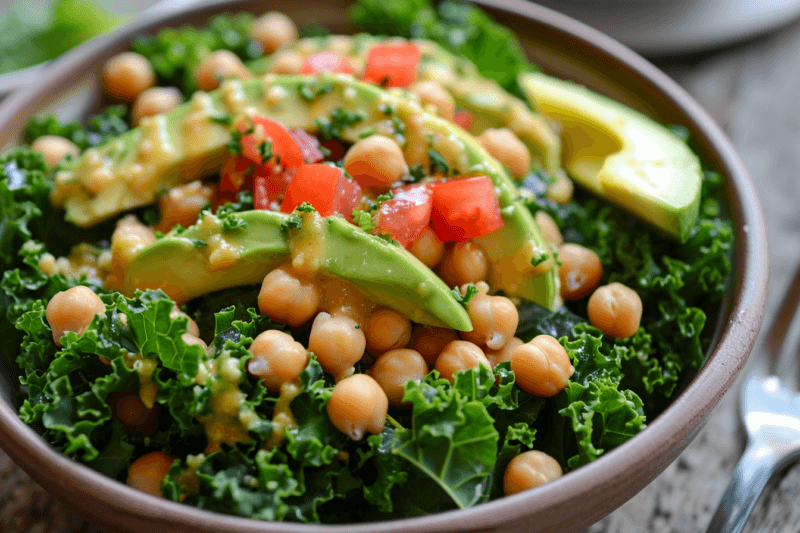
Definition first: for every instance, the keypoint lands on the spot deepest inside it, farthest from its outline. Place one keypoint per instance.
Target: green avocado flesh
(186, 144)
(489, 104)
(622, 155)
(385, 273)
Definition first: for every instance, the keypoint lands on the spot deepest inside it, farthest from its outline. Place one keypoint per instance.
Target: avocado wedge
(489, 104)
(183, 265)
(191, 140)
(622, 155)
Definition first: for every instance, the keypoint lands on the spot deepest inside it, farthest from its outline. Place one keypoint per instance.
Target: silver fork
(770, 413)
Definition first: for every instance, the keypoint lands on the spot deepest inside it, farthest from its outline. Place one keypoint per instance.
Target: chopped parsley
(294, 221)
(471, 291)
(364, 220)
(438, 162)
(417, 173)
(386, 109)
(310, 90)
(332, 127)
(539, 259)
(265, 151)
(305, 207)
(226, 119)
(235, 144)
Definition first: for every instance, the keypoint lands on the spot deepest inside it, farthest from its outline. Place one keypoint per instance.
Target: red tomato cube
(392, 65)
(405, 216)
(465, 208)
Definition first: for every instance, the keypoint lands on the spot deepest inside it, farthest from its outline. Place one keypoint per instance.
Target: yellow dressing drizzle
(282, 417)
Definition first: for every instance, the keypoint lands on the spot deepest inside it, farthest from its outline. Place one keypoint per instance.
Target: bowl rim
(686, 413)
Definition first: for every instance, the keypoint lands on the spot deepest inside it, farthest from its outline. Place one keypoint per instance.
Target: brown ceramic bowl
(562, 47)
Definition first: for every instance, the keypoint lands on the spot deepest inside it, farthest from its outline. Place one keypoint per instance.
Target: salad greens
(34, 32)
(176, 52)
(450, 449)
(458, 27)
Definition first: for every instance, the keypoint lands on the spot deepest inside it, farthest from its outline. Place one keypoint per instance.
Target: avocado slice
(182, 264)
(622, 155)
(490, 105)
(191, 140)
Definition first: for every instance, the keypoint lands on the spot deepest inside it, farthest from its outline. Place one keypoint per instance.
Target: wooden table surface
(752, 90)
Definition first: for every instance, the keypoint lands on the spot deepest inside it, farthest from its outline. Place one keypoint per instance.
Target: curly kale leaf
(458, 27)
(99, 129)
(594, 413)
(175, 53)
(448, 450)
(24, 196)
(677, 283)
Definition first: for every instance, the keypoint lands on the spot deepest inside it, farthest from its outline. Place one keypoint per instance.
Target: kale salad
(298, 276)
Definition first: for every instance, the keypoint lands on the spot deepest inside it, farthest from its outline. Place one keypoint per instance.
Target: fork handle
(752, 473)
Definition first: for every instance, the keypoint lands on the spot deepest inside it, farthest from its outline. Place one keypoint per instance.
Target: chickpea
(127, 75)
(460, 355)
(287, 62)
(191, 326)
(181, 205)
(542, 366)
(273, 30)
(549, 228)
(528, 470)
(192, 340)
(428, 248)
(503, 354)
(394, 369)
(129, 408)
(432, 94)
(580, 271)
(465, 262)
(155, 101)
(277, 359)
(285, 298)
(338, 342)
(386, 330)
(54, 148)
(375, 161)
(616, 310)
(218, 66)
(429, 341)
(561, 190)
(148, 472)
(358, 405)
(494, 321)
(72, 310)
(506, 147)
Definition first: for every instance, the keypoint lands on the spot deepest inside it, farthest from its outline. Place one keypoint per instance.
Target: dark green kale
(176, 52)
(459, 27)
(24, 198)
(678, 284)
(333, 126)
(99, 129)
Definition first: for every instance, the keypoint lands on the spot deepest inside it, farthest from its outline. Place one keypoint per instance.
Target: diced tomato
(325, 187)
(464, 118)
(236, 175)
(335, 148)
(405, 216)
(270, 187)
(392, 65)
(465, 208)
(327, 62)
(309, 145)
(284, 148)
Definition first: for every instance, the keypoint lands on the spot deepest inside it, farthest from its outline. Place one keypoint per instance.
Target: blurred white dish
(658, 28)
